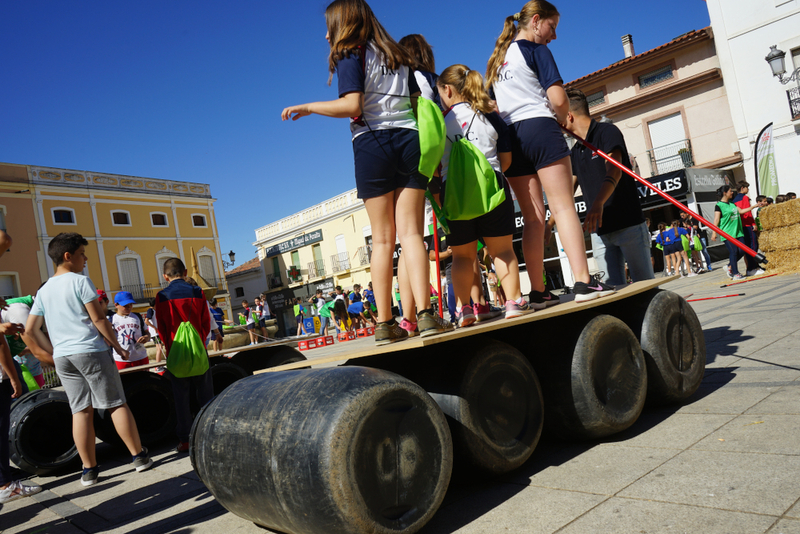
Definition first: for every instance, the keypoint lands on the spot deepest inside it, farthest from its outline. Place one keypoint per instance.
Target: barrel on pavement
(344, 449)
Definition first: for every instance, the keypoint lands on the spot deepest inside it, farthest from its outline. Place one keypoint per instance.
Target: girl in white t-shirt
(376, 87)
(530, 97)
(470, 114)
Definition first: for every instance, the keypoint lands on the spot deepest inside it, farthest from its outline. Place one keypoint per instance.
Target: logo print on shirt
(387, 71)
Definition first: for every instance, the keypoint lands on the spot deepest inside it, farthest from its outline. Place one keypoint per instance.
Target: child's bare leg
(125, 425)
(84, 437)
(462, 273)
(506, 264)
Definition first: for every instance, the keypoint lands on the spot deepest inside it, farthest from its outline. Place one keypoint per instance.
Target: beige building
(133, 226)
(670, 104)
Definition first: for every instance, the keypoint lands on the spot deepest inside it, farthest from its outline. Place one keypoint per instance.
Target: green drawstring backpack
(187, 355)
(432, 130)
(28, 378)
(472, 188)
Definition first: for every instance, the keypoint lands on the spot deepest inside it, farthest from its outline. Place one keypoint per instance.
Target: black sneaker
(594, 289)
(142, 460)
(539, 300)
(386, 333)
(430, 324)
(89, 475)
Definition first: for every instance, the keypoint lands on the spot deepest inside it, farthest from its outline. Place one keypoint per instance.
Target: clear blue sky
(193, 91)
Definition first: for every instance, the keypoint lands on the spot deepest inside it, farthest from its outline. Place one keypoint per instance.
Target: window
(239, 292)
(158, 219)
(296, 258)
(121, 218)
(8, 286)
(595, 99)
(3, 218)
(199, 221)
(129, 268)
(276, 266)
(206, 262)
(655, 76)
(63, 216)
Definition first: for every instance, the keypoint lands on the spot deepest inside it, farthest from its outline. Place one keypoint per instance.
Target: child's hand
(10, 329)
(124, 354)
(144, 339)
(295, 112)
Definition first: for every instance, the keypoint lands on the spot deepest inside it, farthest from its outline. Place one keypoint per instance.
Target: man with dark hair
(748, 227)
(68, 303)
(177, 303)
(790, 196)
(614, 218)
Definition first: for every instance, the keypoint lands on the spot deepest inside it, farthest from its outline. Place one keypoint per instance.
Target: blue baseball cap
(123, 298)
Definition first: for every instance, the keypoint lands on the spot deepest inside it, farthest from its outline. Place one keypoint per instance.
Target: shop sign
(295, 243)
(280, 300)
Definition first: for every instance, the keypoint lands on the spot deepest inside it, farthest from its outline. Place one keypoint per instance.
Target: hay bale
(780, 238)
(780, 215)
(783, 261)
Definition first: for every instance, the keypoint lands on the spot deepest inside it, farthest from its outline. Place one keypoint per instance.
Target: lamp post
(228, 264)
(777, 62)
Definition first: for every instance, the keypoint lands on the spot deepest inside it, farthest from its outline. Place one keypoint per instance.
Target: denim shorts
(535, 143)
(90, 379)
(387, 160)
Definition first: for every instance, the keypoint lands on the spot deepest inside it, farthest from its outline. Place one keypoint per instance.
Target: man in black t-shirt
(614, 217)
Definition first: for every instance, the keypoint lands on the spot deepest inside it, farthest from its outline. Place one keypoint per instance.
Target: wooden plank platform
(344, 351)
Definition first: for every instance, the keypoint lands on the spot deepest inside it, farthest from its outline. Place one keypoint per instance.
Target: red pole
(760, 258)
(722, 297)
(749, 280)
(438, 277)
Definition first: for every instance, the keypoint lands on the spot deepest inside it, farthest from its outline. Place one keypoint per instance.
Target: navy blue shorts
(673, 248)
(387, 160)
(496, 223)
(535, 143)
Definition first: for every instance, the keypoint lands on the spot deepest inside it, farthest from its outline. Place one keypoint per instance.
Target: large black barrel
(674, 348)
(40, 432)
(266, 356)
(149, 397)
(602, 388)
(344, 449)
(224, 373)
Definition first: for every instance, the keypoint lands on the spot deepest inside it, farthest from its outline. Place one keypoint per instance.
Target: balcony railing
(794, 102)
(363, 255)
(672, 157)
(316, 269)
(141, 292)
(340, 262)
(275, 281)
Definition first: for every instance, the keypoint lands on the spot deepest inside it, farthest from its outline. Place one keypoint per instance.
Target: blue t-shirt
(522, 82)
(387, 93)
(218, 317)
(62, 302)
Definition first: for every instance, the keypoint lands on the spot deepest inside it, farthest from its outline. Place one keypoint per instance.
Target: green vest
(730, 221)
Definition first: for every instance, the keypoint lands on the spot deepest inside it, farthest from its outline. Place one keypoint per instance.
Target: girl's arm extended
(347, 106)
(558, 98)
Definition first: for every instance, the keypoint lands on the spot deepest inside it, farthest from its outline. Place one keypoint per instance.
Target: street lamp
(229, 264)
(777, 62)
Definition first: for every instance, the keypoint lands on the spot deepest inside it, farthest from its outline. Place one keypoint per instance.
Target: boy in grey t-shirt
(77, 326)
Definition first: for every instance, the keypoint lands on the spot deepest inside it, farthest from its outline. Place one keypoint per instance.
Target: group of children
(255, 317)
(512, 116)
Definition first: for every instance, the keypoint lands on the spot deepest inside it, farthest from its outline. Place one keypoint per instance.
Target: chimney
(627, 45)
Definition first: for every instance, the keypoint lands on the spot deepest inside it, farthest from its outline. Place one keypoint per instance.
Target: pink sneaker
(409, 327)
(466, 317)
(484, 312)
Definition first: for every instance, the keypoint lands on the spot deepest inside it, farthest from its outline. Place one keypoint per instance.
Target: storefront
(281, 303)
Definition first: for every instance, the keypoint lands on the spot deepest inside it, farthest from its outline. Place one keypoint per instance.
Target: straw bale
(783, 261)
(779, 215)
(781, 238)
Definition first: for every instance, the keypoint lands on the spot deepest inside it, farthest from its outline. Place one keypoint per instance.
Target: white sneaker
(18, 490)
(755, 272)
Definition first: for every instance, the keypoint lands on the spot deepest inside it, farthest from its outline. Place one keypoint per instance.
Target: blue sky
(193, 91)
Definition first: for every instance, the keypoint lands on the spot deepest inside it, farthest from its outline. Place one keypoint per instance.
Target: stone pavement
(726, 461)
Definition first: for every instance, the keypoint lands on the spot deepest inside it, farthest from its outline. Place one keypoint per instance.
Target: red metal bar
(749, 280)
(438, 274)
(760, 258)
(722, 297)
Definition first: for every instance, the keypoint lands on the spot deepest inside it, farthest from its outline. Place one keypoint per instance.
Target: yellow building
(133, 226)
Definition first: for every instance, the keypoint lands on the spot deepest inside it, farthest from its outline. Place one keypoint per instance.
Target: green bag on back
(28, 378)
(432, 130)
(472, 188)
(187, 355)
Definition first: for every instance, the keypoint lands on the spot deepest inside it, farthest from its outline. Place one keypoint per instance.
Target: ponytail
(500, 48)
(469, 85)
(543, 8)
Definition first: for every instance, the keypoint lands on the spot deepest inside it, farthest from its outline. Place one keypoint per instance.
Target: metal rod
(438, 277)
(760, 258)
(722, 297)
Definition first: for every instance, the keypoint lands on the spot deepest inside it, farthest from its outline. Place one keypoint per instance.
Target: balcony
(141, 293)
(794, 102)
(363, 256)
(275, 281)
(671, 157)
(316, 269)
(340, 262)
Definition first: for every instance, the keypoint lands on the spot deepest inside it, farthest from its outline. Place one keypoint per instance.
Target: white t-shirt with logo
(128, 329)
(522, 82)
(487, 132)
(387, 93)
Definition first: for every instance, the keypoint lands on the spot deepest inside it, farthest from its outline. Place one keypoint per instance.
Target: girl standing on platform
(528, 88)
(376, 86)
(470, 114)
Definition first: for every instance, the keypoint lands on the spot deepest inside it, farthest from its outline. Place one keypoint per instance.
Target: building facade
(133, 226)
(744, 31)
(245, 282)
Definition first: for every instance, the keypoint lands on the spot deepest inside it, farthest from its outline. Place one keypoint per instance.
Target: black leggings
(734, 255)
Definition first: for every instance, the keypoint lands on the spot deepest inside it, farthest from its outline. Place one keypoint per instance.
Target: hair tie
(466, 71)
(516, 16)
